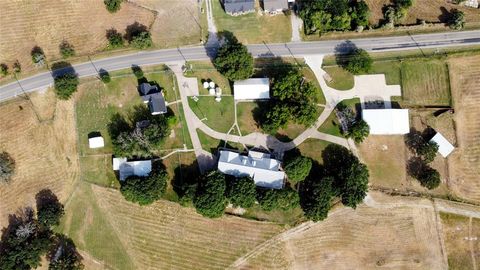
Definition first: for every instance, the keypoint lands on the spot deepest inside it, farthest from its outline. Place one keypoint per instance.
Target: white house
(264, 170)
(444, 146)
(96, 142)
(387, 121)
(129, 168)
(252, 89)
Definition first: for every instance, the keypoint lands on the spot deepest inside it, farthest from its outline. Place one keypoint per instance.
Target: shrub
(241, 192)
(234, 61)
(113, 5)
(142, 41)
(359, 61)
(358, 131)
(316, 198)
(104, 76)
(145, 190)
(115, 39)
(457, 21)
(297, 168)
(428, 151)
(209, 199)
(66, 49)
(278, 199)
(17, 68)
(7, 167)
(65, 85)
(3, 69)
(38, 56)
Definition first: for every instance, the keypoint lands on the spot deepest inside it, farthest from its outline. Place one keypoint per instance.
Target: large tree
(457, 20)
(316, 197)
(297, 168)
(65, 255)
(233, 60)
(358, 61)
(49, 209)
(241, 192)
(428, 151)
(65, 85)
(210, 196)
(113, 5)
(145, 190)
(142, 40)
(358, 131)
(277, 199)
(7, 167)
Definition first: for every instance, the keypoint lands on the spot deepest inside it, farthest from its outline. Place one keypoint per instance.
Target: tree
(38, 56)
(3, 69)
(65, 255)
(428, 151)
(241, 192)
(305, 113)
(316, 198)
(115, 39)
(234, 61)
(209, 199)
(359, 61)
(7, 167)
(360, 14)
(277, 199)
(16, 67)
(49, 209)
(137, 71)
(276, 116)
(297, 168)
(113, 5)
(104, 76)
(429, 178)
(66, 49)
(457, 21)
(358, 131)
(142, 40)
(65, 85)
(145, 190)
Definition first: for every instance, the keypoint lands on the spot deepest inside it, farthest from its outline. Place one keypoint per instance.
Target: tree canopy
(65, 85)
(359, 61)
(66, 49)
(113, 5)
(233, 60)
(115, 39)
(358, 131)
(145, 190)
(428, 151)
(3, 69)
(457, 20)
(316, 197)
(66, 256)
(297, 168)
(49, 209)
(38, 56)
(142, 40)
(241, 192)
(7, 167)
(209, 199)
(278, 199)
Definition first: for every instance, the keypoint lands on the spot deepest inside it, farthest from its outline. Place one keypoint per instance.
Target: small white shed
(444, 146)
(96, 142)
(252, 89)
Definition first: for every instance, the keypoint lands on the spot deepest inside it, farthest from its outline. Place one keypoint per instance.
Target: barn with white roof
(387, 121)
(252, 89)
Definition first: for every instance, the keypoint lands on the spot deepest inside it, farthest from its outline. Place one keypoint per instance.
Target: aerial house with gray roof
(238, 7)
(153, 96)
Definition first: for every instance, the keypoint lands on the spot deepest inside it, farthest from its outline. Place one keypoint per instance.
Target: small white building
(387, 121)
(96, 142)
(252, 89)
(444, 146)
(128, 168)
(264, 170)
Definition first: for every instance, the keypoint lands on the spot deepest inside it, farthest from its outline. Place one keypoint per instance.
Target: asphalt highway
(299, 49)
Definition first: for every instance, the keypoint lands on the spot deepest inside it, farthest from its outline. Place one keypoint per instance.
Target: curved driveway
(297, 49)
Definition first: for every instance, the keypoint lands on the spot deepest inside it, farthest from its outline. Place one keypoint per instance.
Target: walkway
(296, 27)
(212, 41)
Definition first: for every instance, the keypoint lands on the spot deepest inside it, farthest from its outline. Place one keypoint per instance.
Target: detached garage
(387, 121)
(252, 89)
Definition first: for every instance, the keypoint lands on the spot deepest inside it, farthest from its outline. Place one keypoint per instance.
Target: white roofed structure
(264, 170)
(128, 168)
(444, 146)
(252, 89)
(387, 121)
(96, 142)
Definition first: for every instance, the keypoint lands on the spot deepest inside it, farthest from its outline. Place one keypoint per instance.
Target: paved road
(299, 49)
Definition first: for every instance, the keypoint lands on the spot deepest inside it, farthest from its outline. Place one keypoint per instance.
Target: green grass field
(253, 28)
(211, 144)
(313, 149)
(205, 71)
(219, 116)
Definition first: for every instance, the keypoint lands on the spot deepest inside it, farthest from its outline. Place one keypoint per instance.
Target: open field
(219, 116)
(47, 23)
(365, 238)
(176, 23)
(45, 151)
(456, 231)
(465, 161)
(428, 10)
(177, 237)
(253, 28)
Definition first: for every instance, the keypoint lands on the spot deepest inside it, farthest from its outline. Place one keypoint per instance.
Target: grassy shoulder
(253, 27)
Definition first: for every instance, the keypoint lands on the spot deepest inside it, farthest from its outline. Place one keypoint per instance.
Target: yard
(205, 71)
(219, 116)
(313, 148)
(332, 125)
(253, 28)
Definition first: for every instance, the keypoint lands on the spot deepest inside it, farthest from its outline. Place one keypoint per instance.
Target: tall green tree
(457, 20)
(278, 199)
(359, 61)
(142, 40)
(210, 199)
(65, 85)
(297, 168)
(145, 190)
(234, 61)
(66, 256)
(360, 14)
(428, 151)
(49, 209)
(358, 131)
(241, 192)
(316, 198)
(113, 5)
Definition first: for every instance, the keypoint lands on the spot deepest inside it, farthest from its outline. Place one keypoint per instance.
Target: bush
(138, 72)
(209, 199)
(66, 49)
(297, 168)
(234, 61)
(49, 209)
(38, 56)
(17, 67)
(278, 199)
(7, 167)
(426, 175)
(316, 198)
(457, 21)
(241, 192)
(113, 5)
(115, 39)
(145, 190)
(428, 151)
(358, 131)
(3, 69)
(104, 76)
(142, 41)
(65, 85)
(359, 61)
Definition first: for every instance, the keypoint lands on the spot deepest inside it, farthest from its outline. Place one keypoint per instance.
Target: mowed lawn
(219, 116)
(253, 28)
(205, 71)
(96, 104)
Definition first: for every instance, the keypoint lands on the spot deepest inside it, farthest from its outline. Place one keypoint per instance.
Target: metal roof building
(252, 89)
(96, 142)
(264, 170)
(233, 7)
(275, 5)
(387, 121)
(444, 146)
(128, 168)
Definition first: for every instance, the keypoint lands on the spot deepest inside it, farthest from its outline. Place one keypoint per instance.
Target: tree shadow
(335, 159)
(103, 73)
(445, 15)
(134, 30)
(138, 72)
(61, 68)
(63, 246)
(46, 197)
(185, 181)
(343, 51)
(22, 217)
(117, 125)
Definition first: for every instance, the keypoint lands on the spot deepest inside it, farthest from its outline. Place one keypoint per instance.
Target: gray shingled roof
(274, 5)
(238, 6)
(157, 104)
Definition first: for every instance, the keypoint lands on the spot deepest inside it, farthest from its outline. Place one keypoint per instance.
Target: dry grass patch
(465, 161)
(166, 236)
(456, 232)
(46, 24)
(45, 152)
